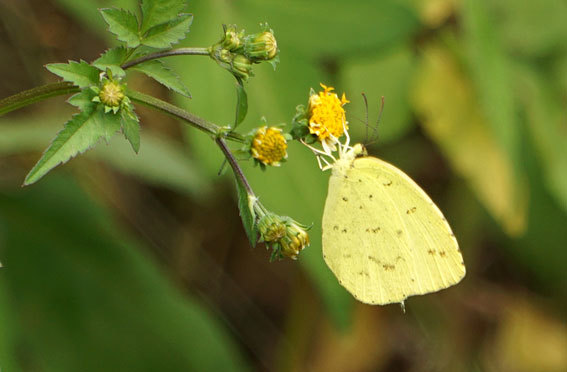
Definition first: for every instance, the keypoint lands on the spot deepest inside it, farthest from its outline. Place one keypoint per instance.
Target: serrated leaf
(168, 33)
(80, 133)
(155, 12)
(157, 70)
(131, 128)
(241, 103)
(246, 213)
(83, 100)
(112, 59)
(123, 24)
(80, 73)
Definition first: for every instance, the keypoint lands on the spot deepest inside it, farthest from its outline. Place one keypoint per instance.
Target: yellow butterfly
(383, 237)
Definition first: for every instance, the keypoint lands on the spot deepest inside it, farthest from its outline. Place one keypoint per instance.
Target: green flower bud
(232, 39)
(285, 236)
(271, 228)
(295, 240)
(241, 66)
(261, 47)
(111, 94)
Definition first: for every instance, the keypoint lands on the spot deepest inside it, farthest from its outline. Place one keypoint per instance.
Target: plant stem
(234, 165)
(167, 53)
(27, 97)
(196, 121)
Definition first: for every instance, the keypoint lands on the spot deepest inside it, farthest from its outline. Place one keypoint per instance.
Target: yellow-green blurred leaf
(445, 100)
(528, 339)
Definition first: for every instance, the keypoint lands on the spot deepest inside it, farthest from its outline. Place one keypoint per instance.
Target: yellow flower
(327, 117)
(269, 146)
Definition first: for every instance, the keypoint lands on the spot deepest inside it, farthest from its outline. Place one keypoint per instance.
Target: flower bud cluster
(286, 236)
(238, 52)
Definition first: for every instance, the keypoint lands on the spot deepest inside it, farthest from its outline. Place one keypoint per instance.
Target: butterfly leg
(318, 152)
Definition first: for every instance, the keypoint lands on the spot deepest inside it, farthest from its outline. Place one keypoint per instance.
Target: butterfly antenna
(375, 132)
(366, 122)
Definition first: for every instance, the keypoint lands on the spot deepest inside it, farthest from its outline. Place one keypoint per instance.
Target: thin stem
(27, 97)
(167, 53)
(234, 165)
(196, 121)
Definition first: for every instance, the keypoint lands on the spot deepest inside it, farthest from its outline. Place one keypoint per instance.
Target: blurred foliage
(475, 96)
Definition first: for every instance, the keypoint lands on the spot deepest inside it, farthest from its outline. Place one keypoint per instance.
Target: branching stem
(168, 53)
(234, 165)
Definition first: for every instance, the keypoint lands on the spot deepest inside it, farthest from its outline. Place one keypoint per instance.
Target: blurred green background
(120, 262)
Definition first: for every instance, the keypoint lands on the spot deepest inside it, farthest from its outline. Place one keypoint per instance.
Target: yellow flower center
(111, 94)
(269, 145)
(326, 114)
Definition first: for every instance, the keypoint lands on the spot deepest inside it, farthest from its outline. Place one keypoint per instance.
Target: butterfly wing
(383, 237)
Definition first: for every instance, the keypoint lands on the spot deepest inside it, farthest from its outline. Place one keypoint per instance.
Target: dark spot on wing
(335, 227)
(399, 232)
(345, 198)
(370, 196)
(411, 210)
(375, 230)
(374, 259)
(387, 183)
(443, 254)
(344, 230)
(388, 267)
(431, 252)
(359, 180)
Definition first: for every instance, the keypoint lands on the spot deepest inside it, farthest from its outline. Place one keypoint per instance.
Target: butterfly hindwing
(383, 237)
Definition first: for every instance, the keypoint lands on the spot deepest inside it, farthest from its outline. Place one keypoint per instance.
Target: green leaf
(123, 24)
(112, 59)
(168, 33)
(83, 100)
(157, 70)
(155, 12)
(162, 161)
(79, 73)
(131, 128)
(241, 103)
(70, 263)
(546, 125)
(79, 134)
(246, 213)
(490, 70)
